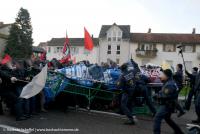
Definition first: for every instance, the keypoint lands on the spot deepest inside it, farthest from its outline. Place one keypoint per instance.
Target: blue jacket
(169, 92)
(127, 81)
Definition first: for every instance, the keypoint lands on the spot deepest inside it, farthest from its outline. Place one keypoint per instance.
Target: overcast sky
(51, 18)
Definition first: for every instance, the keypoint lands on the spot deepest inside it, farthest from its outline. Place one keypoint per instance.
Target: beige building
(4, 32)
(118, 43)
(162, 47)
(114, 43)
(54, 49)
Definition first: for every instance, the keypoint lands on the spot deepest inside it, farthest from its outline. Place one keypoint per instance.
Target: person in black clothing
(127, 84)
(3, 78)
(20, 73)
(192, 77)
(8, 92)
(178, 78)
(197, 100)
(31, 71)
(141, 84)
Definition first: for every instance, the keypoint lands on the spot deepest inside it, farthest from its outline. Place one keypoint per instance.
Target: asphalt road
(84, 123)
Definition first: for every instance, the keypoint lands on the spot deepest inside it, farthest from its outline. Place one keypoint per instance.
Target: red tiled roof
(165, 38)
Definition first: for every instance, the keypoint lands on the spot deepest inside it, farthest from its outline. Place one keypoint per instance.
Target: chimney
(149, 31)
(92, 36)
(193, 30)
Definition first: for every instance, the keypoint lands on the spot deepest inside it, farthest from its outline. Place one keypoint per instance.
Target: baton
(23, 81)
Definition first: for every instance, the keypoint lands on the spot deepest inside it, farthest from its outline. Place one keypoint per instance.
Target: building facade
(119, 44)
(114, 43)
(54, 49)
(4, 32)
(157, 48)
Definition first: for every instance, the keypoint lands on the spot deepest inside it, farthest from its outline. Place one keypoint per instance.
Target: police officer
(127, 84)
(192, 93)
(167, 98)
(141, 84)
(197, 101)
(178, 78)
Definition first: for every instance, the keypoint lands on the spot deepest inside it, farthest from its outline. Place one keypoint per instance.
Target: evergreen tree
(19, 44)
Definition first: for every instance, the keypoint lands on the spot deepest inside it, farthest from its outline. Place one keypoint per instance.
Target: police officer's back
(197, 100)
(127, 84)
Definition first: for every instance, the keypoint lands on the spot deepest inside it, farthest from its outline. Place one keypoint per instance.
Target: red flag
(6, 59)
(88, 40)
(66, 49)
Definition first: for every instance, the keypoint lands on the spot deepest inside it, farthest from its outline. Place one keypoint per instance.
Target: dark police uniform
(197, 101)
(167, 98)
(127, 84)
(178, 78)
(141, 84)
(192, 91)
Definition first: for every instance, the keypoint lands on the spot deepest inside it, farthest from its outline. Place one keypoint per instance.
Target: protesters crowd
(15, 74)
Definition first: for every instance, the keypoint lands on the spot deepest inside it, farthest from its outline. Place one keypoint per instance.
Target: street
(82, 122)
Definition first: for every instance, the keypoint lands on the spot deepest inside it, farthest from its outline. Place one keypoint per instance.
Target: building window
(118, 38)
(75, 50)
(49, 49)
(58, 50)
(118, 49)
(109, 36)
(145, 47)
(169, 47)
(114, 36)
(55, 49)
(109, 49)
(117, 61)
(189, 48)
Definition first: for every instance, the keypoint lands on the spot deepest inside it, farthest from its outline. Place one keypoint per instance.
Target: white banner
(36, 85)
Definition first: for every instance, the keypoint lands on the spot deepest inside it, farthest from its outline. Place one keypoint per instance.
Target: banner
(36, 85)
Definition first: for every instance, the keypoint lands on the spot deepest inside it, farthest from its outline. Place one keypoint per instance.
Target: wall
(5, 30)
(2, 45)
(79, 56)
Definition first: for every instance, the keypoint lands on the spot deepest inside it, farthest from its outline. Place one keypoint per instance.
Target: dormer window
(109, 36)
(114, 35)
